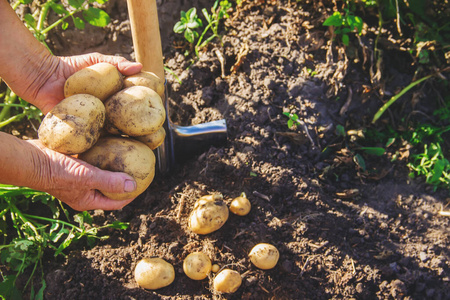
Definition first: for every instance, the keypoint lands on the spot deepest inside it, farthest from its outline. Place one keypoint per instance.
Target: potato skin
(136, 111)
(148, 79)
(208, 216)
(227, 281)
(153, 140)
(154, 273)
(197, 265)
(264, 256)
(101, 80)
(120, 154)
(73, 125)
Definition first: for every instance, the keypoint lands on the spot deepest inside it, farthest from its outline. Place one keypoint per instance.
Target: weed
(190, 22)
(26, 236)
(345, 23)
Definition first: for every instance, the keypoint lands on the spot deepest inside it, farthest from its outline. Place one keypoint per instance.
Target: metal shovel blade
(184, 142)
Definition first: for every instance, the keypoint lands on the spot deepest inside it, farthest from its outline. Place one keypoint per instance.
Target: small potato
(197, 265)
(240, 205)
(100, 80)
(215, 268)
(73, 125)
(264, 256)
(227, 281)
(154, 273)
(208, 216)
(153, 140)
(147, 79)
(120, 154)
(136, 111)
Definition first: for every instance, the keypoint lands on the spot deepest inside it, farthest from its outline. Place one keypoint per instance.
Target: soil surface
(342, 232)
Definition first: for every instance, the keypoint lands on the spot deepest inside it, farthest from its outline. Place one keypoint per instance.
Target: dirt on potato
(342, 233)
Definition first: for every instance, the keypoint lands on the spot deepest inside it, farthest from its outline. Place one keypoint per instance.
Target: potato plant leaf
(378, 151)
(96, 17)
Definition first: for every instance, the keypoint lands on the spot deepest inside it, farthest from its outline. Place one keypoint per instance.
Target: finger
(104, 203)
(124, 66)
(113, 182)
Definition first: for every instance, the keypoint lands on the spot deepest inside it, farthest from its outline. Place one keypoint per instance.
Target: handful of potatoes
(111, 122)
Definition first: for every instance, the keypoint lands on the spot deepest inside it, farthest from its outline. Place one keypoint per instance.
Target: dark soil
(342, 232)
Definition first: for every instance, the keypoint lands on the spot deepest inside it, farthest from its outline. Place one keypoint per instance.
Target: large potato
(208, 215)
(154, 273)
(147, 79)
(100, 80)
(136, 111)
(127, 155)
(73, 125)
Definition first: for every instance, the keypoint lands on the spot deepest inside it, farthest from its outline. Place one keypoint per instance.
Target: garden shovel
(181, 142)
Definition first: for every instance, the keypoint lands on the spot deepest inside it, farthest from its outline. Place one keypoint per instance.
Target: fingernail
(130, 186)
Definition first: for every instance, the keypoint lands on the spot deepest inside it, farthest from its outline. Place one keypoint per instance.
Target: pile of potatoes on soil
(114, 123)
(110, 121)
(208, 214)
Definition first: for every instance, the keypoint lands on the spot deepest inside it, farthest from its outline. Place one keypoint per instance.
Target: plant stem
(12, 119)
(54, 221)
(396, 97)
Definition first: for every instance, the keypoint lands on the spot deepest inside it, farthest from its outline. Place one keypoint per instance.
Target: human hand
(48, 89)
(76, 182)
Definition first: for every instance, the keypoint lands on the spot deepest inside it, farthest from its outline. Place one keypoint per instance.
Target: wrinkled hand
(77, 183)
(48, 90)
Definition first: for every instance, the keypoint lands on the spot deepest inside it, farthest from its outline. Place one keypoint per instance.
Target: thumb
(113, 182)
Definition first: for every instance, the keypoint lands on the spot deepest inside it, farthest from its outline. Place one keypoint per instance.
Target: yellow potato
(73, 125)
(240, 205)
(197, 265)
(227, 281)
(136, 111)
(153, 140)
(147, 79)
(120, 154)
(215, 268)
(101, 80)
(264, 256)
(154, 273)
(208, 216)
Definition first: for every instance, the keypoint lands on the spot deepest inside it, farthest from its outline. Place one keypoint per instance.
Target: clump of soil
(342, 233)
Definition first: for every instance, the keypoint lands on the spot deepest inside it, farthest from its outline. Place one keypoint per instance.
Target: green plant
(27, 236)
(432, 165)
(190, 22)
(37, 21)
(14, 109)
(345, 23)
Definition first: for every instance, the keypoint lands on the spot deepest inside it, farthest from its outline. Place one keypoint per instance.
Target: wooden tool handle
(144, 22)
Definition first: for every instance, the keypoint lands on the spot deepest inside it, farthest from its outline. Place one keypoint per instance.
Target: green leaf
(192, 14)
(64, 25)
(340, 130)
(76, 3)
(189, 35)
(345, 39)
(79, 23)
(96, 17)
(378, 151)
(253, 174)
(290, 123)
(334, 20)
(359, 161)
(179, 27)
(29, 19)
(58, 9)
(8, 289)
(119, 225)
